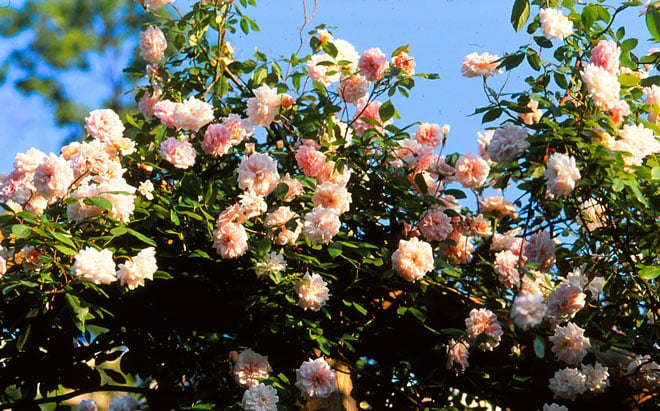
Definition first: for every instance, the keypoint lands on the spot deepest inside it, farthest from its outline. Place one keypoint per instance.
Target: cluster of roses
(315, 379)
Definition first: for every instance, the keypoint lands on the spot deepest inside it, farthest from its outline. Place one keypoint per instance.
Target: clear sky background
(440, 34)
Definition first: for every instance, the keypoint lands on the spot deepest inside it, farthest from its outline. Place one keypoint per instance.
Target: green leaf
(539, 347)
(64, 239)
(280, 191)
(65, 250)
(512, 61)
(421, 183)
(101, 202)
(628, 80)
(401, 49)
(653, 22)
(20, 231)
(589, 16)
(649, 272)
(520, 14)
(78, 312)
(335, 249)
(386, 111)
(491, 115)
(141, 237)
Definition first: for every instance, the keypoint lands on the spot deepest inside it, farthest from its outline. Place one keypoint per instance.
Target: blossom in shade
(334, 196)
(3, 266)
(497, 206)
(275, 263)
(123, 403)
(596, 377)
(595, 287)
(260, 397)
(506, 268)
(322, 69)
(104, 125)
(153, 5)
(152, 44)
(276, 223)
(310, 160)
(321, 224)
(251, 205)
(471, 170)
(593, 214)
(642, 372)
(178, 152)
(554, 407)
(370, 111)
(555, 24)
(353, 89)
(528, 310)
(295, 188)
(413, 259)
(479, 226)
(461, 251)
(561, 174)
(484, 321)
(94, 266)
(258, 173)
(404, 62)
(430, 135)
(619, 111)
(457, 353)
(264, 106)
(435, 225)
(250, 367)
(602, 85)
(53, 177)
(569, 343)
(507, 144)
(606, 54)
(373, 64)
(230, 240)
(315, 378)
(217, 140)
(147, 104)
(534, 115)
(565, 301)
(540, 250)
(312, 292)
(87, 405)
(139, 268)
(568, 383)
(484, 64)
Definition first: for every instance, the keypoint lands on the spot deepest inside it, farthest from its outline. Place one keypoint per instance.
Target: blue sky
(440, 33)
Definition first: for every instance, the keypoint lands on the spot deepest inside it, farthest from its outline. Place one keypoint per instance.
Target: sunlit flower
(250, 367)
(315, 378)
(413, 259)
(312, 292)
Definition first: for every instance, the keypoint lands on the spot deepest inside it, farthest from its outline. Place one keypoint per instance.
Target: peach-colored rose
(484, 321)
(373, 64)
(334, 196)
(250, 367)
(230, 240)
(152, 44)
(217, 140)
(471, 170)
(315, 378)
(180, 153)
(413, 259)
(258, 173)
(276, 222)
(405, 62)
(312, 291)
(264, 106)
(321, 224)
(484, 64)
(606, 54)
(353, 89)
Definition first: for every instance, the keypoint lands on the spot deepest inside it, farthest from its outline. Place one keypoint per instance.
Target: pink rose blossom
(147, 104)
(596, 377)
(483, 140)
(373, 64)
(507, 144)
(312, 292)
(239, 128)
(104, 125)
(95, 266)
(528, 310)
(534, 115)
(619, 111)
(471, 170)
(276, 222)
(139, 268)
(323, 69)
(152, 44)
(461, 252)
(180, 153)
(252, 205)
(603, 86)
(540, 250)
(353, 89)
(310, 160)
(565, 301)
(329, 175)
(555, 24)
(250, 367)
(430, 135)
(653, 100)
(497, 206)
(435, 225)
(164, 111)
(457, 353)
(315, 378)
(569, 343)
(606, 54)
(217, 140)
(53, 177)
(122, 197)
(568, 383)
(230, 240)
(369, 112)
(413, 259)
(561, 174)
(260, 398)
(405, 62)
(506, 267)
(274, 263)
(27, 163)
(258, 173)
(192, 114)
(484, 64)
(479, 226)
(484, 321)
(295, 188)
(329, 195)
(321, 224)
(595, 287)
(264, 106)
